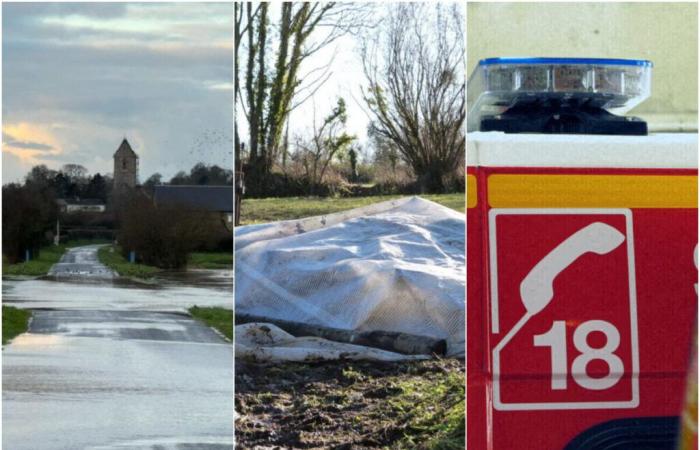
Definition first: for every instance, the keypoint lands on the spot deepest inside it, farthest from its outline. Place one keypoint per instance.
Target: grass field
(210, 260)
(14, 322)
(199, 260)
(48, 256)
(111, 257)
(218, 318)
(255, 210)
(433, 410)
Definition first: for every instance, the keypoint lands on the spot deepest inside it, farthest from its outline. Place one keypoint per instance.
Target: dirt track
(350, 405)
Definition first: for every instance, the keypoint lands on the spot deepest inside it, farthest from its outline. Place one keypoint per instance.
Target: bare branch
(416, 86)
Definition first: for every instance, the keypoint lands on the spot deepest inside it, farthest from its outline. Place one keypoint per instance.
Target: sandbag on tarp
(264, 342)
(393, 266)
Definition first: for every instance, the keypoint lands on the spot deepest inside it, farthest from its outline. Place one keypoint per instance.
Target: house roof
(203, 198)
(125, 147)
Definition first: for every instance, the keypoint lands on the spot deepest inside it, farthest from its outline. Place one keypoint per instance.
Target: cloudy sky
(79, 77)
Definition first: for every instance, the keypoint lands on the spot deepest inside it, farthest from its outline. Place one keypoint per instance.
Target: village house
(216, 200)
(81, 205)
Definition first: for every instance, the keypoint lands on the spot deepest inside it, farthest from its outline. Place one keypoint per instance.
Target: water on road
(111, 364)
(81, 262)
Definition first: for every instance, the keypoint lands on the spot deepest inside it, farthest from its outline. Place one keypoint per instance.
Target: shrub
(164, 237)
(28, 217)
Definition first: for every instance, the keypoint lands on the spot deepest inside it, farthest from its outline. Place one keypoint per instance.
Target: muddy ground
(350, 405)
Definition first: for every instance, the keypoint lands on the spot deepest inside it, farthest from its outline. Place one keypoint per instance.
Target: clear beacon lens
(615, 85)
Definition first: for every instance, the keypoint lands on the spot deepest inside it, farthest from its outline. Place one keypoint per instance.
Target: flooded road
(112, 364)
(81, 262)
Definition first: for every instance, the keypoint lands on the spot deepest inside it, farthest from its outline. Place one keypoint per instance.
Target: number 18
(555, 338)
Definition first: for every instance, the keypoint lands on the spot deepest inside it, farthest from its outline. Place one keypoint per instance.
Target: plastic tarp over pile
(395, 266)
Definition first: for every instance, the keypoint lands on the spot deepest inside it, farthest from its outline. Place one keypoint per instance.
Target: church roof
(125, 147)
(203, 198)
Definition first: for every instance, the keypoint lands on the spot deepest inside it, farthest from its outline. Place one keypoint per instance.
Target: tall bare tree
(273, 80)
(416, 92)
(240, 28)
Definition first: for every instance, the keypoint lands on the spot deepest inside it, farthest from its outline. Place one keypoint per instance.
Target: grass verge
(111, 257)
(220, 319)
(254, 210)
(48, 256)
(434, 412)
(210, 260)
(14, 322)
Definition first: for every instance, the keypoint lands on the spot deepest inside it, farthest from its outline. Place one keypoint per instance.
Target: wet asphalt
(112, 364)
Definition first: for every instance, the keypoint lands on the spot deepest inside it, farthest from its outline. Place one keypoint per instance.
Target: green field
(210, 260)
(198, 260)
(111, 257)
(434, 411)
(255, 210)
(14, 322)
(48, 256)
(218, 318)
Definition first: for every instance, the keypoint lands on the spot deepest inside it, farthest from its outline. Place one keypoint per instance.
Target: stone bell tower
(126, 167)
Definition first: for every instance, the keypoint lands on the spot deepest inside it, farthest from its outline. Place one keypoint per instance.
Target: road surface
(111, 364)
(81, 263)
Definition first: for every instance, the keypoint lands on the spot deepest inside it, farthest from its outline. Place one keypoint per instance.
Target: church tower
(126, 167)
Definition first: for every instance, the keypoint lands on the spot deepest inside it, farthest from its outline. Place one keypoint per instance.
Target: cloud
(220, 86)
(87, 76)
(104, 24)
(13, 168)
(10, 141)
(25, 145)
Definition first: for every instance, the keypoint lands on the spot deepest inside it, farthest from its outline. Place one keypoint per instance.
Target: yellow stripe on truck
(592, 191)
(471, 191)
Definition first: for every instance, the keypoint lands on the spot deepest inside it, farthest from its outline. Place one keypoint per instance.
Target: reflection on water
(115, 364)
(96, 392)
(170, 291)
(29, 340)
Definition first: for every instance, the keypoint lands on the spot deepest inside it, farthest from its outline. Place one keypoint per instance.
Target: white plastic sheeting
(392, 266)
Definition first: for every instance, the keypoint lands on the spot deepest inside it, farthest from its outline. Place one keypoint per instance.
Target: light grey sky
(79, 77)
(346, 79)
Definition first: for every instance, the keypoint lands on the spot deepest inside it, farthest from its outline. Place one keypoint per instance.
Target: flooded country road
(113, 364)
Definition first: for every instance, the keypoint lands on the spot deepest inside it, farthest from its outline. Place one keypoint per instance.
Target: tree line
(30, 210)
(413, 62)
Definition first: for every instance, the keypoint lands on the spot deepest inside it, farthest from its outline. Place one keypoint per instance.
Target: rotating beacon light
(558, 95)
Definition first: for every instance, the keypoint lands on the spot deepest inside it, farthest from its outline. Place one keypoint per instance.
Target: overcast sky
(79, 77)
(346, 80)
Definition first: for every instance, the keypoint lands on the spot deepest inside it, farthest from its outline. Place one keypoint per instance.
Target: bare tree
(328, 140)
(240, 28)
(274, 83)
(75, 172)
(415, 69)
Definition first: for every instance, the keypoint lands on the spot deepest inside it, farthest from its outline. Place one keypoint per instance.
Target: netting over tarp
(392, 266)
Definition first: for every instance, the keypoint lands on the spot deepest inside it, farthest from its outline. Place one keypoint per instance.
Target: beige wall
(665, 33)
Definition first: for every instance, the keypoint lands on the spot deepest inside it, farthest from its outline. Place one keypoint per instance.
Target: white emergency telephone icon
(537, 292)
